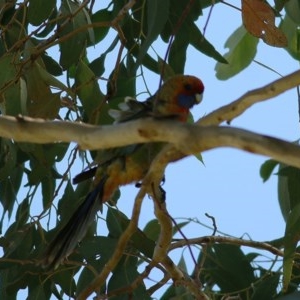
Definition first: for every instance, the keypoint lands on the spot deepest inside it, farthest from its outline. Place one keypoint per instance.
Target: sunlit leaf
(242, 50)
(292, 32)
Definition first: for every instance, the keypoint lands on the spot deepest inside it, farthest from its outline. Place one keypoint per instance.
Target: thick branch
(142, 131)
(187, 138)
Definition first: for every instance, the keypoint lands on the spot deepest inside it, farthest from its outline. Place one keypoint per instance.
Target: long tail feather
(69, 236)
(84, 175)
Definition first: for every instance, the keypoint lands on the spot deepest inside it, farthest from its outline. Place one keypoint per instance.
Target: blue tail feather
(75, 229)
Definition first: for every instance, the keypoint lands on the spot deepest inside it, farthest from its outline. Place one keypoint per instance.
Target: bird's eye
(188, 87)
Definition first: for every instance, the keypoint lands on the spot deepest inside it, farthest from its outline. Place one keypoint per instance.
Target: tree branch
(187, 138)
(226, 240)
(237, 107)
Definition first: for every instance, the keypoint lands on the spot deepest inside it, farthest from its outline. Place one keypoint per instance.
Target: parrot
(124, 165)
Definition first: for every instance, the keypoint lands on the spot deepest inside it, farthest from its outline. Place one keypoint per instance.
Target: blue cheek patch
(186, 101)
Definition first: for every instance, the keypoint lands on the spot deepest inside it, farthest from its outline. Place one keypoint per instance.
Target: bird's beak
(198, 98)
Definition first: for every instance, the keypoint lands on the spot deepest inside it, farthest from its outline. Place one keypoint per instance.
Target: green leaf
(50, 80)
(165, 69)
(87, 275)
(182, 264)
(292, 32)
(152, 229)
(283, 195)
(68, 202)
(49, 26)
(267, 168)
(115, 222)
(39, 169)
(85, 278)
(41, 101)
(22, 214)
(51, 65)
(207, 3)
(199, 157)
(291, 238)
(7, 64)
(179, 226)
(233, 261)
(72, 48)
(37, 292)
(20, 240)
(123, 276)
(228, 267)
(66, 281)
(148, 61)
(17, 284)
(288, 188)
(177, 14)
(89, 93)
(15, 32)
(190, 34)
(292, 296)
(157, 15)
(97, 65)
(266, 288)
(125, 85)
(292, 8)
(8, 157)
(55, 152)
(5, 280)
(242, 49)
(39, 11)
(98, 246)
(177, 292)
(48, 188)
(10, 86)
(143, 244)
(8, 190)
(279, 4)
(177, 56)
(200, 43)
(100, 31)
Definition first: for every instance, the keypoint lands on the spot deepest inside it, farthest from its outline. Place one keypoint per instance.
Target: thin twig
(226, 240)
(236, 108)
(213, 223)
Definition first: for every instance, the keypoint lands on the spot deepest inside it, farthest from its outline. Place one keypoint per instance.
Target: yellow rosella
(124, 165)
